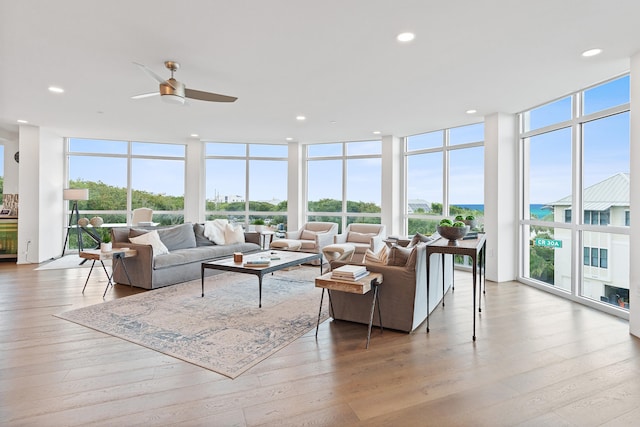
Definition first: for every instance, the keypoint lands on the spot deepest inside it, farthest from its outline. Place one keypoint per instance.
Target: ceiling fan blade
(207, 96)
(145, 95)
(153, 75)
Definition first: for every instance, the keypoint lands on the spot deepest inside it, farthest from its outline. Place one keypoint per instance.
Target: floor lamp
(74, 194)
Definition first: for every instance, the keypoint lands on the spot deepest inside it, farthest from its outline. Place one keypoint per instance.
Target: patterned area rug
(225, 331)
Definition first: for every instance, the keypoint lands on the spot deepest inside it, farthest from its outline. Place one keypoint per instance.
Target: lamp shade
(75, 194)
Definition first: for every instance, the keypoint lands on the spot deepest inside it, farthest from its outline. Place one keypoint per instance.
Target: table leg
(474, 297)
(87, 281)
(260, 290)
(442, 280)
(119, 256)
(202, 278)
(428, 276)
(373, 306)
(109, 282)
(319, 313)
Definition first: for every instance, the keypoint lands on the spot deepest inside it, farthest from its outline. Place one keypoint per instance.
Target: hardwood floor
(538, 360)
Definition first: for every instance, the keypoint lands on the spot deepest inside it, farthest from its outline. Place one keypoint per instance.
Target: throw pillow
(135, 232)
(308, 235)
(372, 258)
(398, 255)
(214, 230)
(355, 237)
(233, 234)
(178, 237)
(201, 240)
(151, 238)
(419, 238)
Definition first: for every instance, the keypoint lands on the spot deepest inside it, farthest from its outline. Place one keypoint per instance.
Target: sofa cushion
(201, 239)
(308, 235)
(355, 237)
(151, 238)
(214, 230)
(399, 256)
(372, 258)
(233, 234)
(178, 237)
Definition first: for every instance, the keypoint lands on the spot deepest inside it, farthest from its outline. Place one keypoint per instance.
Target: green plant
(459, 218)
(446, 222)
(470, 218)
(258, 221)
(459, 224)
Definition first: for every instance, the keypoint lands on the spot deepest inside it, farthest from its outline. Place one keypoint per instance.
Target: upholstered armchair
(363, 237)
(311, 237)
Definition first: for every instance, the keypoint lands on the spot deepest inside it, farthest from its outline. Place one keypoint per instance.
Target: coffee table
(285, 259)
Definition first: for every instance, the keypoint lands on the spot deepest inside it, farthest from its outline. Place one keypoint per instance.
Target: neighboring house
(605, 256)
(418, 206)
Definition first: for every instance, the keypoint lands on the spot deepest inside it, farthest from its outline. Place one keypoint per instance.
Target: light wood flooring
(538, 360)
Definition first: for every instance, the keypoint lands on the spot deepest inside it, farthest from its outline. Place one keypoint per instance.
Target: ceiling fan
(175, 92)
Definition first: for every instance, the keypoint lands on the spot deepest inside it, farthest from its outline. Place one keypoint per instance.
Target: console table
(476, 250)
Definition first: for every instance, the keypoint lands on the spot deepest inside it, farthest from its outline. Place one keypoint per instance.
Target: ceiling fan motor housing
(172, 91)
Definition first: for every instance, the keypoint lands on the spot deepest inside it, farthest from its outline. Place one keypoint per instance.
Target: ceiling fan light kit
(174, 92)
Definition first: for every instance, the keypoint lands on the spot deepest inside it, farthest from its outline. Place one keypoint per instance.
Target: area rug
(67, 261)
(225, 331)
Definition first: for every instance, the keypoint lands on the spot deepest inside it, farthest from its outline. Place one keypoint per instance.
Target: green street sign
(548, 243)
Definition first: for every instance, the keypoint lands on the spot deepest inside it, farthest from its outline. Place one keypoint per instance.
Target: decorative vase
(96, 221)
(83, 222)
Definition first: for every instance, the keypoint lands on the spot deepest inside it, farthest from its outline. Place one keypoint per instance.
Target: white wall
(40, 175)
(392, 181)
(195, 181)
(500, 196)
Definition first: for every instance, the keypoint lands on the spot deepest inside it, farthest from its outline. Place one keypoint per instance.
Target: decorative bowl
(453, 233)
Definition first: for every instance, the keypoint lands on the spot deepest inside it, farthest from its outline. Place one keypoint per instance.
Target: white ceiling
(335, 61)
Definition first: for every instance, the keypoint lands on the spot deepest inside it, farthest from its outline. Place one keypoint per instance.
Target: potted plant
(258, 223)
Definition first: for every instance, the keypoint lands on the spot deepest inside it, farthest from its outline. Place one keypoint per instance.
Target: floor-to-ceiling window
(1, 171)
(124, 175)
(444, 177)
(344, 182)
(575, 195)
(247, 183)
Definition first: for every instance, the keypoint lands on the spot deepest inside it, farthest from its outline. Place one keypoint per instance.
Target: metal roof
(613, 191)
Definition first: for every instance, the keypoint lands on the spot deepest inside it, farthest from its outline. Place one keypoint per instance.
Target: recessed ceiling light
(471, 111)
(194, 135)
(22, 121)
(289, 138)
(405, 37)
(301, 118)
(376, 132)
(55, 89)
(591, 52)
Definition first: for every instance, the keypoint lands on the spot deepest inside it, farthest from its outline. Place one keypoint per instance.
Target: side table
(115, 255)
(360, 286)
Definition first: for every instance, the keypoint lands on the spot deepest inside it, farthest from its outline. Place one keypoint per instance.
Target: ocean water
(535, 209)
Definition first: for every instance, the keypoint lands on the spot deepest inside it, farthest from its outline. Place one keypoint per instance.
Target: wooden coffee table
(286, 259)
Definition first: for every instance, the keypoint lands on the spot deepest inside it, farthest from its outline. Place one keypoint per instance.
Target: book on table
(349, 272)
(257, 262)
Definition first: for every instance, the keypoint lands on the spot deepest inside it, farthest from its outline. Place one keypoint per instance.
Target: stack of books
(349, 272)
(257, 262)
